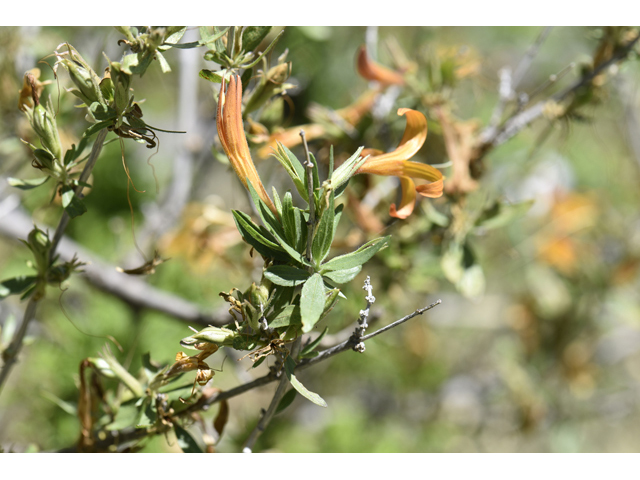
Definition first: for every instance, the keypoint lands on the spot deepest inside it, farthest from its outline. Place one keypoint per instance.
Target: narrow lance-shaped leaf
(343, 276)
(289, 366)
(324, 234)
(253, 236)
(288, 220)
(27, 184)
(274, 226)
(309, 348)
(286, 275)
(312, 300)
(185, 441)
(354, 259)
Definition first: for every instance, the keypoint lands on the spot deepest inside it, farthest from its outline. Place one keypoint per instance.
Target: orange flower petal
(415, 134)
(408, 201)
(371, 70)
(396, 164)
(234, 140)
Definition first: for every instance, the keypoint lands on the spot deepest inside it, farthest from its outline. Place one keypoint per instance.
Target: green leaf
(27, 184)
(354, 259)
(312, 300)
(289, 367)
(164, 65)
(254, 237)
(324, 234)
(302, 230)
(185, 441)
(73, 205)
(307, 350)
(96, 127)
(289, 220)
(74, 152)
(66, 406)
(286, 400)
(343, 276)
(276, 201)
(289, 315)
(336, 218)
(273, 225)
(252, 36)
(147, 414)
(293, 167)
(16, 285)
(286, 275)
(215, 77)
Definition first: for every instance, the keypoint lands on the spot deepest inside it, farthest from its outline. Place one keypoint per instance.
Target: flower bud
(83, 77)
(44, 124)
(258, 295)
(215, 335)
(39, 243)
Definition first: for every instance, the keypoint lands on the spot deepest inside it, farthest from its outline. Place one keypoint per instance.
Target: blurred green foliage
(547, 358)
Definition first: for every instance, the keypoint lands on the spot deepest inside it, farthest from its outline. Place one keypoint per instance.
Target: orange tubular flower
(396, 164)
(233, 139)
(371, 70)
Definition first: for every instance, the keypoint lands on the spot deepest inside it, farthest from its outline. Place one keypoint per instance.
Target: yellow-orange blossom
(233, 139)
(396, 164)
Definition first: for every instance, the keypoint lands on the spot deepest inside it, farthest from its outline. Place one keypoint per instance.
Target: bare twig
(362, 320)
(528, 58)
(10, 355)
(519, 121)
(130, 289)
(308, 165)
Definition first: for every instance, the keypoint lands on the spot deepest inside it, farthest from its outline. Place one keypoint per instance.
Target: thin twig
(275, 401)
(312, 200)
(130, 434)
(516, 123)
(84, 176)
(132, 290)
(362, 320)
(527, 60)
(10, 355)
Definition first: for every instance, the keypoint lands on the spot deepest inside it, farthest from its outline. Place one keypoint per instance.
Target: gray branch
(132, 290)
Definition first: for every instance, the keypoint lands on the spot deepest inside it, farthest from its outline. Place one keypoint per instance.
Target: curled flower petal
(233, 139)
(396, 164)
(371, 70)
(408, 200)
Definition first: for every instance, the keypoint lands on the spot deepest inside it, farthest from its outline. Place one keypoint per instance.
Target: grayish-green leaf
(312, 300)
(286, 275)
(185, 441)
(27, 184)
(343, 276)
(354, 259)
(289, 366)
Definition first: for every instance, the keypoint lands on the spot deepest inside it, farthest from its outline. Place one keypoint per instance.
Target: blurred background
(536, 346)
